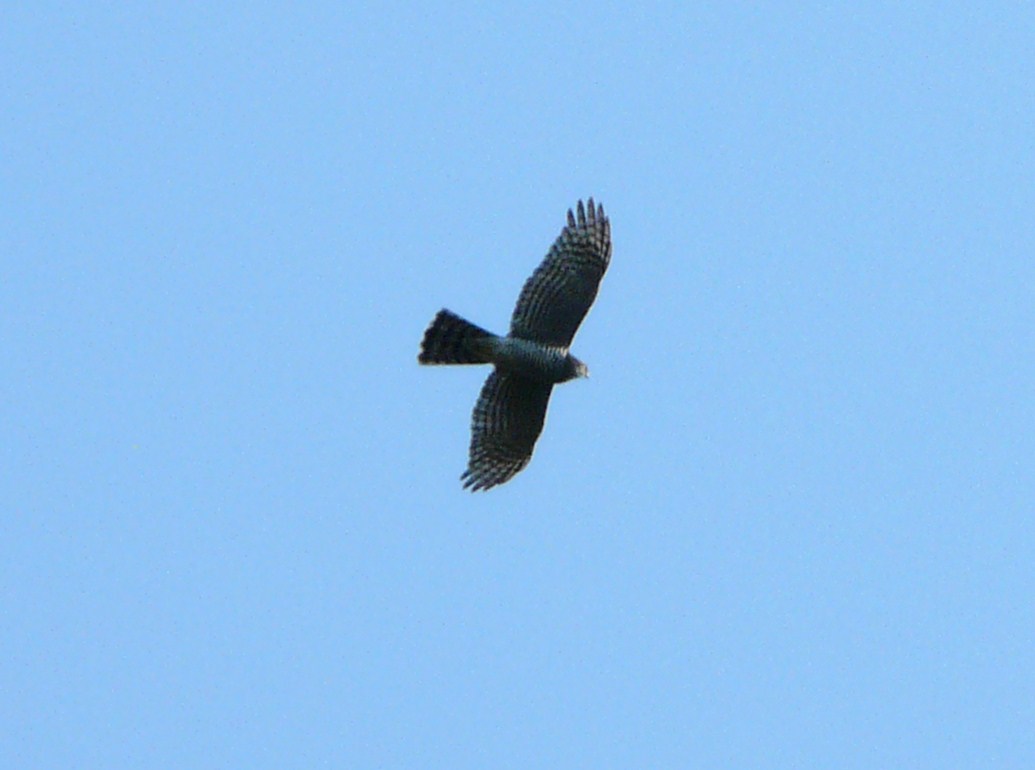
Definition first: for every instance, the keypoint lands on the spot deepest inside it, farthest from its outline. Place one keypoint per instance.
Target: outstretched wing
(507, 420)
(559, 293)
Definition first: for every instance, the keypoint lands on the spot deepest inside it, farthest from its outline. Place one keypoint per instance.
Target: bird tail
(452, 340)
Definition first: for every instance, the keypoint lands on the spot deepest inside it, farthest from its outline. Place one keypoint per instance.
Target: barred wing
(507, 420)
(560, 292)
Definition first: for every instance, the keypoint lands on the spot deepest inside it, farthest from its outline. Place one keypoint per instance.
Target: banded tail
(452, 340)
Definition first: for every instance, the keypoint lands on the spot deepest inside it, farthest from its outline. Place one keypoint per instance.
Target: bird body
(536, 361)
(511, 409)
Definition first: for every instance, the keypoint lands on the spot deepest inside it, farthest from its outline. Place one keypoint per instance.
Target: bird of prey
(534, 356)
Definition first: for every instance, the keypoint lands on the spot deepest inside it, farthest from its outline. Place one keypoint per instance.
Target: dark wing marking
(559, 293)
(506, 422)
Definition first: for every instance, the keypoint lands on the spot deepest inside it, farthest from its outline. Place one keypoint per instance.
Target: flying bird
(534, 356)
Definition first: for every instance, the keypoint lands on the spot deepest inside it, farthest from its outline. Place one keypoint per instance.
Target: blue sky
(787, 523)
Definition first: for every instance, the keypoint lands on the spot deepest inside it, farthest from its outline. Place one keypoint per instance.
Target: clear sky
(788, 522)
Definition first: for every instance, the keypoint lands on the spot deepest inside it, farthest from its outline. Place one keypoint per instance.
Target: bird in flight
(534, 356)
